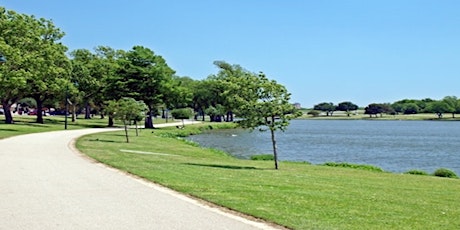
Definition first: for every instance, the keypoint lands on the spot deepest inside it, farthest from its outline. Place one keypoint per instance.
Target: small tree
(268, 108)
(184, 113)
(127, 110)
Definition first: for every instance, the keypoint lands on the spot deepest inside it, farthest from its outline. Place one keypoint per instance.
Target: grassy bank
(299, 196)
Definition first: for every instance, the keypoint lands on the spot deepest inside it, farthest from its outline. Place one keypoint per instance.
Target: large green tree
(88, 75)
(37, 64)
(141, 75)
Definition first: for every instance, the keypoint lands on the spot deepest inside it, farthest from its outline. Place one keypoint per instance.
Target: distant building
(297, 105)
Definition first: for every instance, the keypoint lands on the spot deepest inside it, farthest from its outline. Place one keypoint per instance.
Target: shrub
(443, 172)
(262, 157)
(416, 172)
(354, 166)
(314, 113)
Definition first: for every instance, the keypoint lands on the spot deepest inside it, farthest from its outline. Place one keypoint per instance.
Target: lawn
(299, 196)
(26, 124)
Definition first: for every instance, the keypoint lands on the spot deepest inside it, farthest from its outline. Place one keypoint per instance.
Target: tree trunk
(87, 111)
(74, 112)
(39, 110)
(275, 153)
(148, 123)
(7, 111)
(137, 130)
(126, 131)
(110, 122)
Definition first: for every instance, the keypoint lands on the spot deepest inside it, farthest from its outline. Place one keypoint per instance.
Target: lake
(394, 146)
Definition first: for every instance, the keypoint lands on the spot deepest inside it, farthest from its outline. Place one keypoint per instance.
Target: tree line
(449, 105)
(125, 84)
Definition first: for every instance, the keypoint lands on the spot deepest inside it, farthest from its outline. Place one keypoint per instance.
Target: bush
(442, 172)
(416, 172)
(314, 113)
(262, 157)
(354, 166)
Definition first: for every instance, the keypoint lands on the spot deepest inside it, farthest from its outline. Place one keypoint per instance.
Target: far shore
(359, 115)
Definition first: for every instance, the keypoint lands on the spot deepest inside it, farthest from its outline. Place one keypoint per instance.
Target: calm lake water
(395, 146)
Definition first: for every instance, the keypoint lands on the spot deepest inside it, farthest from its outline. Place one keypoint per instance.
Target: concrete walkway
(45, 184)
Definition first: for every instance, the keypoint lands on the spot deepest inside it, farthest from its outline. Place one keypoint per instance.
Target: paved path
(44, 184)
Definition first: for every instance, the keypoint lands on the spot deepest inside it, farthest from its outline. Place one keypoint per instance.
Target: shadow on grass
(223, 166)
(99, 140)
(9, 130)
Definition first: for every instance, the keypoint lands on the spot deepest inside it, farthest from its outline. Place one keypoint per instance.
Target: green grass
(299, 195)
(26, 124)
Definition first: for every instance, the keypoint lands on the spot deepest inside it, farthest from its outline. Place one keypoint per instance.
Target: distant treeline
(449, 104)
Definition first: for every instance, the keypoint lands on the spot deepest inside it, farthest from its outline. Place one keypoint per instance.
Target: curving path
(45, 184)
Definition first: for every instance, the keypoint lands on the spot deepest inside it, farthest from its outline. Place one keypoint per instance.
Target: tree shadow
(10, 130)
(223, 166)
(100, 140)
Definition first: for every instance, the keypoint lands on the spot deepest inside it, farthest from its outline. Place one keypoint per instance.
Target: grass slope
(299, 196)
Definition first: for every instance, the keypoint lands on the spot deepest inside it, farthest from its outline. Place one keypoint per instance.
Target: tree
(329, 108)
(183, 113)
(88, 74)
(439, 107)
(230, 83)
(127, 110)
(265, 107)
(453, 105)
(141, 75)
(375, 108)
(347, 107)
(37, 65)
(215, 113)
(410, 108)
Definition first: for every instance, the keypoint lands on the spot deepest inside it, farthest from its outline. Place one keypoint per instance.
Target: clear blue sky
(362, 51)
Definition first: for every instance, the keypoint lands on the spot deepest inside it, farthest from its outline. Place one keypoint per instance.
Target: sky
(362, 51)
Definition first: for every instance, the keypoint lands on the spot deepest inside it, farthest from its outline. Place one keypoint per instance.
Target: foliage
(327, 107)
(265, 107)
(346, 106)
(313, 113)
(127, 110)
(443, 172)
(354, 166)
(184, 113)
(375, 108)
(262, 157)
(141, 75)
(37, 65)
(439, 107)
(417, 172)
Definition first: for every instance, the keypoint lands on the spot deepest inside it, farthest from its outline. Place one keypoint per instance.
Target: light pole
(66, 106)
